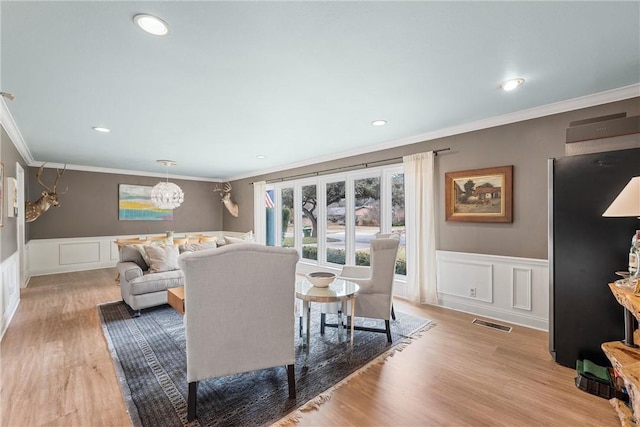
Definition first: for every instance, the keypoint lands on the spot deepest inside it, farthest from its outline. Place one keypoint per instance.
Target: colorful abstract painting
(135, 205)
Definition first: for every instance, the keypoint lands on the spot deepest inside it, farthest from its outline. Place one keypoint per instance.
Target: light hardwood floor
(56, 370)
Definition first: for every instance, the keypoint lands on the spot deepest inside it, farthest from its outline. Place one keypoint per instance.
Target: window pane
(270, 238)
(397, 220)
(336, 216)
(287, 218)
(309, 222)
(367, 216)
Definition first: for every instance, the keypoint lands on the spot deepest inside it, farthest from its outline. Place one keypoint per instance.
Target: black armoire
(585, 251)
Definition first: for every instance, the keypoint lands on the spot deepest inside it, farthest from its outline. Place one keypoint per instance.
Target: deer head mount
(225, 198)
(49, 197)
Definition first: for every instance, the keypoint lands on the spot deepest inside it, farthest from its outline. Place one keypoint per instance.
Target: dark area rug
(150, 359)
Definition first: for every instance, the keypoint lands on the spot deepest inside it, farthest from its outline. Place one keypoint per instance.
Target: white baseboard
(514, 290)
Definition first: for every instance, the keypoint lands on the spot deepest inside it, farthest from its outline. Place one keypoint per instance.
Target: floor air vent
(497, 326)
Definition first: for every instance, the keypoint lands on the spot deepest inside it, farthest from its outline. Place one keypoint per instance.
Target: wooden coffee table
(175, 298)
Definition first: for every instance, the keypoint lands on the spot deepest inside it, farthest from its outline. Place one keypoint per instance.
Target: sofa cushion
(131, 253)
(162, 258)
(156, 282)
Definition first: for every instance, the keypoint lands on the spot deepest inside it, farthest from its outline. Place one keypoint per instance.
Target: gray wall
(8, 232)
(526, 145)
(90, 206)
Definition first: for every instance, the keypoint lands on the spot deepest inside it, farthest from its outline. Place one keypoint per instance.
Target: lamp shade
(628, 201)
(167, 195)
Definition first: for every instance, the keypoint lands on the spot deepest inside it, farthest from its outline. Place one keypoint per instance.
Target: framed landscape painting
(134, 204)
(480, 195)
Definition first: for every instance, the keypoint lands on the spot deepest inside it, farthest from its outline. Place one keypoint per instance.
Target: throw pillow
(229, 240)
(204, 239)
(143, 251)
(194, 247)
(162, 258)
(243, 238)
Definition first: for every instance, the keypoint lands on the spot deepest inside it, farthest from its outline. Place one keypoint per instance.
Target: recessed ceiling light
(151, 24)
(261, 156)
(378, 122)
(511, 84)
(100, 129)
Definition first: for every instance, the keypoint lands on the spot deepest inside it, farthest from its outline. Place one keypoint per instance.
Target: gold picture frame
(479, 195)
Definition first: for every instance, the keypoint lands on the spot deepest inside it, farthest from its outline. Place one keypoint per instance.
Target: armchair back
(239, 309)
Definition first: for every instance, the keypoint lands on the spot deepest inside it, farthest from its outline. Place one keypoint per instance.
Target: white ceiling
(298, 82)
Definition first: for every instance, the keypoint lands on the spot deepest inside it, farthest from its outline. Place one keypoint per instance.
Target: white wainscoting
(50, 256)
(514, 290)
(10, 293)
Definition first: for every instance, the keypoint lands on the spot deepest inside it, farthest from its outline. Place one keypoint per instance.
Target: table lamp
(627, 204)
(628, 201)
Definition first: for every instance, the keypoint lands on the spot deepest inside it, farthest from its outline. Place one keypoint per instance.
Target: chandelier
(167, 195)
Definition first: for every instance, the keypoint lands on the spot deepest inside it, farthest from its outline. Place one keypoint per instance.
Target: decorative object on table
(321, 279)
(139, 347)
(225, 198)
(48, 198)
(167, 195)
(627, 204)
(480, 195)
(12, 197)
(134, 204)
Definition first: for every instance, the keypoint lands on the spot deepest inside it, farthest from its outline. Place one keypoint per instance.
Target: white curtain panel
(260, 212)
(420, 228)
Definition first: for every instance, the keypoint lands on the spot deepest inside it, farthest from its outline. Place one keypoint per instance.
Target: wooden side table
(175, 298)
(625, 358)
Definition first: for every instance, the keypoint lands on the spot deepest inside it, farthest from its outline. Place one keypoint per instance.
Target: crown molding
(9, 125)
(113, 171)
(613, 95)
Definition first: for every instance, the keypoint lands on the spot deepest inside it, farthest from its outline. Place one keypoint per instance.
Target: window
(339, 214)
(335, 236)
(366, 216)
(397, 220)
(310, 209)
(270, 218)
(287, 237)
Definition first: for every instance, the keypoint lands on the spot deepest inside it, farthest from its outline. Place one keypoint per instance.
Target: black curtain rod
(324, 172)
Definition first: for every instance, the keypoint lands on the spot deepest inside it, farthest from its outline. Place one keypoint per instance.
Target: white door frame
(22, 253)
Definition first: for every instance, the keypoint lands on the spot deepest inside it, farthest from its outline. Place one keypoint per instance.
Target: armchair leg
(137, 313)
(291, 379)
(388, 329)
(191, 401)
(393, 313)
(323, 320)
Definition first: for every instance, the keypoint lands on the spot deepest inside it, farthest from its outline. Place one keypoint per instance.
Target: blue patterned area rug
(150, 359)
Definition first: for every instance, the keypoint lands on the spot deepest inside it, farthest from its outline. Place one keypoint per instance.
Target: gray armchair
(239, 312)
(140, 288)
